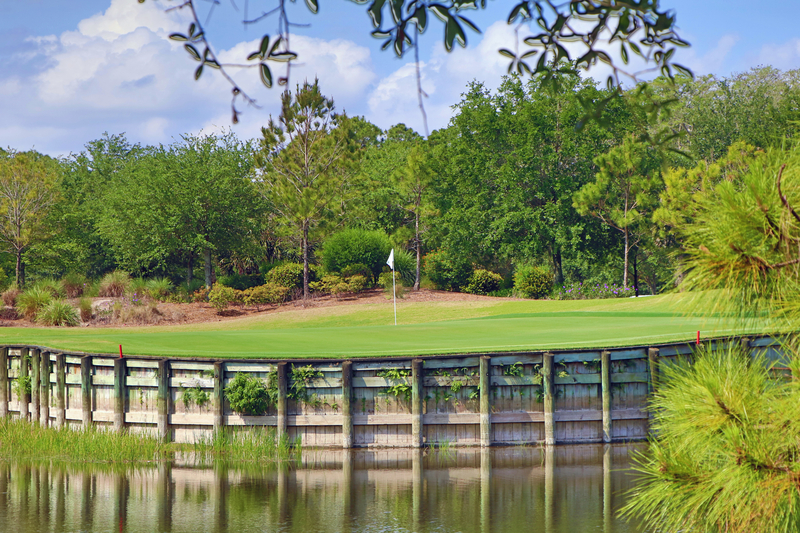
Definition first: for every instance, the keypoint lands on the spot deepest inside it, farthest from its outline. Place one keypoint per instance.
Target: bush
(10, 296)
(385, 281)
(248, 395)
(85, 309)
(142, 315)
(483, 282)
(532, 282)
(357, 269)
(241, 282)
(73, 284)
(200, 295)
(354, 246)
(591, 291)
(33, 300)
(221, 297)
(447, 272)
(330, 284)
(289, 275)
(114, 284)
(269, 293)
(158, 288)
(357, 283)
(57, 313)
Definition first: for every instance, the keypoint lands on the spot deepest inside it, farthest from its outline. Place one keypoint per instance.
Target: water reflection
(554, 490)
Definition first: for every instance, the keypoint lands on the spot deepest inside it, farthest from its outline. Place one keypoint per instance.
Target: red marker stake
(120, 348)
(698, 342)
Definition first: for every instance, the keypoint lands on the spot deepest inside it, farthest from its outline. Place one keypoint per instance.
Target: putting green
(424, 328)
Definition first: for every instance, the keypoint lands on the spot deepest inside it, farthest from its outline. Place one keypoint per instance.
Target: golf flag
(390, 261)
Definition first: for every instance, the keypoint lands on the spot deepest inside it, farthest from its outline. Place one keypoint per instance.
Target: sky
(70, 71)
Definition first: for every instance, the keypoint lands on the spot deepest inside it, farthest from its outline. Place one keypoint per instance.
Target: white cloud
(783, 56)
(713, 61)
(118, 72)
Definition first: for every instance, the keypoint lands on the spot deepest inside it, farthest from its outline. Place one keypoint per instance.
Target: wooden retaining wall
(475, 400)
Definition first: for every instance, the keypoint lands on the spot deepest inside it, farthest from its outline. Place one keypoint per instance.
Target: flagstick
(394, 297)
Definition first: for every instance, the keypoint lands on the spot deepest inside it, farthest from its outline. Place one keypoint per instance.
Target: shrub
(158, 288)
(357, 283)
(142, 315)
(10, 296)
(385, 281)
(269, 293)
(221, 297)
(353, 246)
(57, 313)
(114, 284)
(447, 272)
(30, 302)
(241, 282)
(248, 395)
(483, 282)
(85, 309)
(405, 264)
(330, 284)
(200, 295)
(289, 275)
(357, 269)
(591, 291)
(532, 282)
(73, 284)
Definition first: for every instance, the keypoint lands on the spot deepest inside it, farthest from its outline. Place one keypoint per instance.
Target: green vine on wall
(400, 387)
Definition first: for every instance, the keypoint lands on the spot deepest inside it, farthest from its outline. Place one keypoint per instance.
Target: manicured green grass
(424, 328)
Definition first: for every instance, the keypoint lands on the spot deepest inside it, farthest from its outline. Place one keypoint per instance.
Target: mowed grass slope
(360, 330)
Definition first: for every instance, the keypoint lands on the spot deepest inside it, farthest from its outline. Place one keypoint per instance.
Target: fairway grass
(361, 330)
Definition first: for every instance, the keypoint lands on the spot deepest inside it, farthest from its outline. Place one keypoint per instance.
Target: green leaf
(266, 75)
(378, 34)
(212, 63)
(508, 53)
(275, 45)
(254, 55)
(264, 46)
(193, 52)
(198, 72)
(529, 53)
(420, 18)
(313, 6)
(396, 8)
(386, 44)
(192, 27)
(283, 57)
(440, 11)
(469, 24)
(624, 53)
(178, 37)
(376, 12)
(683, 70)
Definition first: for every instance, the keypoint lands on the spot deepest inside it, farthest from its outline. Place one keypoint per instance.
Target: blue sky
(73, 70)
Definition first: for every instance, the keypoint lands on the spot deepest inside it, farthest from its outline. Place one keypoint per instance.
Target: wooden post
(282, 401)
(347, 409)
(549, 399)
(605, 385)
(35, 388)
(417, 434)
(219, 397)
(86, 391)
(61, 390)
(163, 400)
(23, 396)
(652, 359)
(745, 344)
(120, 369)
(4, 382)
(485, 405)
(44, 393)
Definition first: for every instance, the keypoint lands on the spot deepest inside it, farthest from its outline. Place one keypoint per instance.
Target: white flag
(390, 261)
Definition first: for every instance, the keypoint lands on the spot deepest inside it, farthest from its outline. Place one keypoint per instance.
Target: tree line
(517, 178)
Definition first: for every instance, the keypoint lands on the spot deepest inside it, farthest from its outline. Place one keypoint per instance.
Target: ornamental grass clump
(57, 313)
(73, 284)
(114, 284)
(158, 288)
(33, 300)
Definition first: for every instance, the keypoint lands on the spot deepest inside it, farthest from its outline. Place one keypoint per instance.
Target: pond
(563, 489)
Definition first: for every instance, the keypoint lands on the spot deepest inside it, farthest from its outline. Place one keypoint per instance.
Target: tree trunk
(20, 272)
(557, 265)
(189, 269)
(419, 248)
(207, 259)
(625, 272)
(635, 274)
(305, 261)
